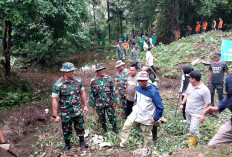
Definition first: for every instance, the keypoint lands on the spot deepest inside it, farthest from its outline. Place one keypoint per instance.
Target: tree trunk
(6, 41)
(108, 10)
(95, 27)
(175, 17)
(7, 54)
(120, 24)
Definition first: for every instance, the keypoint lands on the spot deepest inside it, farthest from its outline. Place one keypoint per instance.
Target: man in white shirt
(149, 61)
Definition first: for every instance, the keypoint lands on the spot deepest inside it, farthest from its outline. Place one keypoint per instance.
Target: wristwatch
(54, 116)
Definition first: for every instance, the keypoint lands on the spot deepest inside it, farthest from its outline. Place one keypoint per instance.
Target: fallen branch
(183, 62)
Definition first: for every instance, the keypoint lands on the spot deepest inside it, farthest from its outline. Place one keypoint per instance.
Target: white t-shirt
(149, 58)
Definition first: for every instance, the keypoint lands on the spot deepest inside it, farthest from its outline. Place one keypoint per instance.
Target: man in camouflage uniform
(121, 52)
(121, 83)
(103, 97)
(67, 94)
(135, 58)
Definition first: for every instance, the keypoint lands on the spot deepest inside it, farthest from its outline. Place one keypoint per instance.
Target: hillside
(173, 56)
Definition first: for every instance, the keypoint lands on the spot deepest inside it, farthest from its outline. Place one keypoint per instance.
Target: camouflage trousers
(78, 126)
(122, 100)
(122, 57)
(109, 110)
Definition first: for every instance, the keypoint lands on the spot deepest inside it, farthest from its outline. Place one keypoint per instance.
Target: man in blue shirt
(224, 134)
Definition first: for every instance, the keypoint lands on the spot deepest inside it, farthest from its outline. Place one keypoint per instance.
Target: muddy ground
(23, 125)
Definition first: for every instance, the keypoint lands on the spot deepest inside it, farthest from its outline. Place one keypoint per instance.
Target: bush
(14, 94)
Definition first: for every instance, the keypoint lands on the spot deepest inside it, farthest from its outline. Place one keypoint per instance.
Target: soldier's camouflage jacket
(102, 91)
(69, 94)
(121, 78)
(134, 57)
(121, 52)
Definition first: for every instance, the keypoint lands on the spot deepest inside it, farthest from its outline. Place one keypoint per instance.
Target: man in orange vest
(220, 24)
(188, 31)
(198, 28)
(177, 34)
(204, 26)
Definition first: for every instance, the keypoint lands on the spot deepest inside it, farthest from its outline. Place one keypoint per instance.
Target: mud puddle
(30, 137)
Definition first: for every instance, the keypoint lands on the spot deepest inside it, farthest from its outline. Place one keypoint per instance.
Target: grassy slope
(173, 134)
(188, 49)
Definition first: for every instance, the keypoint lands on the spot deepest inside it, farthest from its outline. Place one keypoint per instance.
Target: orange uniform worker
(204, 26)
(177, 34)
(126, 45)
(198, 28)
(220, 24)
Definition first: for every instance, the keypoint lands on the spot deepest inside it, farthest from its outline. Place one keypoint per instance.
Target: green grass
(187, 49)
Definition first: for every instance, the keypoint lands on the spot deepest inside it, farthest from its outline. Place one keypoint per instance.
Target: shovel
(177, 105)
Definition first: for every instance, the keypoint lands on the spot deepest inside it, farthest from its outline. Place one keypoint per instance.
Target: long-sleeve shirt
(148, 105)
(102, 91)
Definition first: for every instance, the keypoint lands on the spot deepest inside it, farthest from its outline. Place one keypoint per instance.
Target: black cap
(217, 54)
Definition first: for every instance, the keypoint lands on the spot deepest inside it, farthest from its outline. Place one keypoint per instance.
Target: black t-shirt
(218, 71)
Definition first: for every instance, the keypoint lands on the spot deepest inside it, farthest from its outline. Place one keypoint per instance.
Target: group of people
(200, 28)
(136, 91)
(198, 100)
(139, 100)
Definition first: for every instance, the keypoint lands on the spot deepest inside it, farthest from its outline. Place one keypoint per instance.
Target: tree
(42, 29)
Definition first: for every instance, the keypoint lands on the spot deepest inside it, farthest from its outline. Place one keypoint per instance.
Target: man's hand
(95, 108)
(114, 104)
(85, 110)
(57, 119)
(212, 110)
(181, 108)
(153, 121)
(202, 119)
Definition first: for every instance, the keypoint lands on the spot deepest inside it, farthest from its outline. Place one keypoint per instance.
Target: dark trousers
(154, 132)
(219, 87)
(184, 106)
(153, 71)
(129, 105)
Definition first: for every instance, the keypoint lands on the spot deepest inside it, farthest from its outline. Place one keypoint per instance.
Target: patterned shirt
(102, 91)
(121, 51)
(69, 93)
(121, 78)
(135, 55)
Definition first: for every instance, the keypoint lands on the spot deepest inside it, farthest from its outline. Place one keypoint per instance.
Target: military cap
(67, 67)
(100, 66)
(119, 63)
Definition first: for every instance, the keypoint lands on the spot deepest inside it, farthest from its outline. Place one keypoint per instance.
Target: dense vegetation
(44, 30)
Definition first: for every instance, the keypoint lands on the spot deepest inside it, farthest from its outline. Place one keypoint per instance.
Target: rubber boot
(115, 130)
(67, 145)
(82, 142)
(193, 142)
